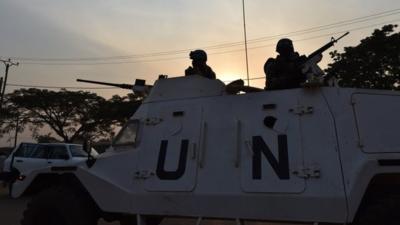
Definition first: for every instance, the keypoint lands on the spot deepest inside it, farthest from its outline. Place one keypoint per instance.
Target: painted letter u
(162, 174)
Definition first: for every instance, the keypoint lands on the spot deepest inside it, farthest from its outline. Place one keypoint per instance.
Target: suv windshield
(127, 136)
(77, 151)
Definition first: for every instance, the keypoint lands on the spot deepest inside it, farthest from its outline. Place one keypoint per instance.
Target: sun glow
(229, 77)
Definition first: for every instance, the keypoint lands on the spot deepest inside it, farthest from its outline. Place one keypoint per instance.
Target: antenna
(245, 43)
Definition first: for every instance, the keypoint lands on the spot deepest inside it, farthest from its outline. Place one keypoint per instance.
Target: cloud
(25, 33)
(143, 26)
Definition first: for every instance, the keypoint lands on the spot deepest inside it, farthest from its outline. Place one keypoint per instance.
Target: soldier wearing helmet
(199, 66)
(284, 71)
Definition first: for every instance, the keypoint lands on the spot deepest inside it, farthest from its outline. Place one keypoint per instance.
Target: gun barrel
(345, 34)
(326, 46)
(123, 86)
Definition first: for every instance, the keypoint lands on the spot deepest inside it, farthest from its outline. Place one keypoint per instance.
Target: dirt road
(11, 210)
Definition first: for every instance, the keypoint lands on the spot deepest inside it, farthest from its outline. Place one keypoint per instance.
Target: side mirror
(86, 146)
(90, 161)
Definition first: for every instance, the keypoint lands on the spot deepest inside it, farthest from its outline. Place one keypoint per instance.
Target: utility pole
(8, 63)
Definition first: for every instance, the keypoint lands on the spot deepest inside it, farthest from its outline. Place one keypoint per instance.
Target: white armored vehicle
(321, 155)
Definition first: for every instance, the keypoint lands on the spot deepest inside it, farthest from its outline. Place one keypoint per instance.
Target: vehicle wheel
(154, 220)
(59, 206)
(382, 211)
(10, 187)
(150, 220)
(128, 220)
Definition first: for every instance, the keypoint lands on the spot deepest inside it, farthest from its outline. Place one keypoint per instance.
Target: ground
(11, 211)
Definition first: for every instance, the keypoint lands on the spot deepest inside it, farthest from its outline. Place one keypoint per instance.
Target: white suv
(29, 156)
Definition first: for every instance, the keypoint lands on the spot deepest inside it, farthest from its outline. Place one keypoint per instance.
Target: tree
(12, 118)
(72, 116)
(46, 138)
(374, 63)
(120, 109)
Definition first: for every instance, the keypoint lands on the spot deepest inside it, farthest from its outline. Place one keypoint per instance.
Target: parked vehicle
(2, 159)
(28, 157)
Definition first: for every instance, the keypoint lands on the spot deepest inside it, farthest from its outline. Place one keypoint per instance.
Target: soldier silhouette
(199, 66)
(284, 71)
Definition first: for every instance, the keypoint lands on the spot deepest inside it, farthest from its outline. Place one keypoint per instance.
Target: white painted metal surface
(376, 125)
(287, 155)
(173, 148)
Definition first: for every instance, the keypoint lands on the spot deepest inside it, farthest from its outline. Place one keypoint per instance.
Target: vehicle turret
(139, 87)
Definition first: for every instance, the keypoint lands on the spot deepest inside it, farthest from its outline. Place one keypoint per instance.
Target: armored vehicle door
(168, 159)
(271, 146)
(377, 119)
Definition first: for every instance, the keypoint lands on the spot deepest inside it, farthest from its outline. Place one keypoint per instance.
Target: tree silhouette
(72, 116)
(374, 63)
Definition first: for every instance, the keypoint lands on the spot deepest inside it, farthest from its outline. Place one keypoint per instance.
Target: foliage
(374, 63)
(120, 109)
(46, 138)
(11, 118)
(72, 116)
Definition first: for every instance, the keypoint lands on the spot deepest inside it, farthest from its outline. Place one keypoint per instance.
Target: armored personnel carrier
(192, 149)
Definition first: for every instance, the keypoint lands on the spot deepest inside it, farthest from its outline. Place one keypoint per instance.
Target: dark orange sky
(155, 37)
(81, 29)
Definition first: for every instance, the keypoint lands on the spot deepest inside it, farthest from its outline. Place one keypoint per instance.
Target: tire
(59, 206)
(150, 220)
(383, 211)
(128, 220)
(154, 220)
(10, 188)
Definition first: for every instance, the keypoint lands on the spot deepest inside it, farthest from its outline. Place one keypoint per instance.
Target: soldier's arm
(268, 66)
(207, 72)
(269, 71)
(212, 74)
(189, 71)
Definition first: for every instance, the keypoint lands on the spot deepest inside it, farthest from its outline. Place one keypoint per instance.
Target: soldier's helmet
(198, 55)
(284, 45)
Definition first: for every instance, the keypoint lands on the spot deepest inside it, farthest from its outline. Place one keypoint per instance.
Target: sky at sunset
(121, 40)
